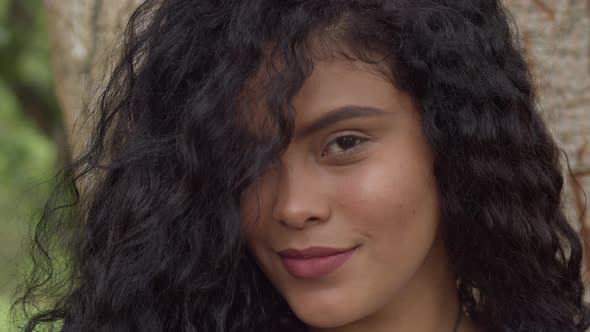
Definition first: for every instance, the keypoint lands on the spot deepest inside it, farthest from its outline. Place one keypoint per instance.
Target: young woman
(306, 165)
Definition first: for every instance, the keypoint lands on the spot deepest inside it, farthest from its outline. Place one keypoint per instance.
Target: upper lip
(312, 252)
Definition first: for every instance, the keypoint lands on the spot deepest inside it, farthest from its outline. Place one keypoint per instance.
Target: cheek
(256, 214)
(390, 203)
(251, 217)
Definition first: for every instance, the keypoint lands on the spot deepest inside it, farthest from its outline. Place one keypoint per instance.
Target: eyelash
(359, 139)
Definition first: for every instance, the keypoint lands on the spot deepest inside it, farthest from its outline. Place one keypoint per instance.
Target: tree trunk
(82, 33)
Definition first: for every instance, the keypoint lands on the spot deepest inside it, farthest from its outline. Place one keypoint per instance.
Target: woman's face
(357, 177)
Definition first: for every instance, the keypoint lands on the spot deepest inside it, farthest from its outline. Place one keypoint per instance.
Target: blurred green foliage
(29, 119)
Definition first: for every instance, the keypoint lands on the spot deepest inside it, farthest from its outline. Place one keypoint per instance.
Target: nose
(299, 197)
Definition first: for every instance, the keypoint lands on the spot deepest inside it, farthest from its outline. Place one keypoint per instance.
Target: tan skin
(374, 190)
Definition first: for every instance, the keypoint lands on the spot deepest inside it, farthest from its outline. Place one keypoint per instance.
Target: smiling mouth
(314, 262)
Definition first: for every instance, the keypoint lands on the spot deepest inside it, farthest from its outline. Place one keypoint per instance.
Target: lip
(312, 252)
(314, 262)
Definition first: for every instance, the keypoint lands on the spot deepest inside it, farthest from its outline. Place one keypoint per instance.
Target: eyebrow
(337, 115)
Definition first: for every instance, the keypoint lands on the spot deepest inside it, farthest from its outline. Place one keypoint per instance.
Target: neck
(428, 302)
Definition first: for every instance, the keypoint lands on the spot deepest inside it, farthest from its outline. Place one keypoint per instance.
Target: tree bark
(82, 35)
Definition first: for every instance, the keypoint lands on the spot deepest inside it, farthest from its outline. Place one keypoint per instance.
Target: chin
(326, 315)
(324, 320)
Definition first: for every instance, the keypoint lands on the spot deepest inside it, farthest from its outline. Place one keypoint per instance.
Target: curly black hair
(143, 232)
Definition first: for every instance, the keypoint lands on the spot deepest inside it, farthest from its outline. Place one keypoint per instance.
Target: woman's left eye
(344, 144)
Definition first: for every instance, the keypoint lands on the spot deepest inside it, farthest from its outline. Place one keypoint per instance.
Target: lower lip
(307, 268)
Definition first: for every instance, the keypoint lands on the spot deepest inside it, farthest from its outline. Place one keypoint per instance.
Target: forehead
(332, 82)
(340, 82)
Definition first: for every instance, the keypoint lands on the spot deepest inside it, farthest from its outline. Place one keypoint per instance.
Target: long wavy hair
(143, 231)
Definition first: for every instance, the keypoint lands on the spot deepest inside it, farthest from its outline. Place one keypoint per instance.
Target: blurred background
(54, 53)
(31, 133)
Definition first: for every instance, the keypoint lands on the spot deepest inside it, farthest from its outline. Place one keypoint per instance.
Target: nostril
(313, 219)
(282, 222)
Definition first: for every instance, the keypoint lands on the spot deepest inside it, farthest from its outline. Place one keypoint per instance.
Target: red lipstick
(314, 262)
